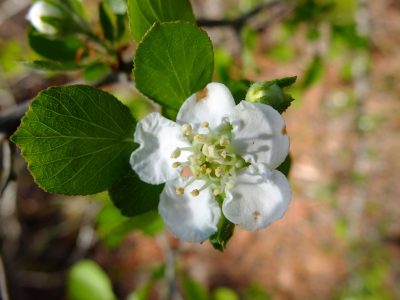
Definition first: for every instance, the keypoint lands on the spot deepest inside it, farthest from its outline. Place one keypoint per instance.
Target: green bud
(271, 93)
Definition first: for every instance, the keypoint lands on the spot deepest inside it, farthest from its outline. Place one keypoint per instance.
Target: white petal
(158, 138)
(192, 219)
(211, 104)
(259, 134)
(38, 10)
(258, 199)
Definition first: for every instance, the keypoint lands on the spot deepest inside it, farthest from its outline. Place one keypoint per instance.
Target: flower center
(212, 158)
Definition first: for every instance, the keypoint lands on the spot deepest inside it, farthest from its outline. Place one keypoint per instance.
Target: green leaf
(50, 65)
(193, 290)
(133, 196)
(144, 13)
(313, 73)
(112, 227)
(223, 293)
(286, 165)
(55, 48)
(107, 21)
(96, 71)
(255, 292)
(173, 61)
(77, 7)
(86, 280)
(76, 139)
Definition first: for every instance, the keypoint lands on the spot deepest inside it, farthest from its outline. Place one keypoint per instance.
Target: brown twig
(239, 22)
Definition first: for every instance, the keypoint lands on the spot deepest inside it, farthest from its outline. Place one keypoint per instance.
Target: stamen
(205, 124)
(195, 192)
(180, 191)
(186, 129)
(191, 180)
(176, 153)
(223, 153)
(218, 171)
(200, 138)
(205, 186)
(176, 164)
(224, 141)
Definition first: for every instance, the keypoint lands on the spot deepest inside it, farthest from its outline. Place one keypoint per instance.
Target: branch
(10, 119)
(240, 21)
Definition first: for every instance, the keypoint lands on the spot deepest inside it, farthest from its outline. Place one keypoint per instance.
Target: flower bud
(38, 11)
(271, 93)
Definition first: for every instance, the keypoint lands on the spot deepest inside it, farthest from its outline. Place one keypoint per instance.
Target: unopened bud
(271, 93)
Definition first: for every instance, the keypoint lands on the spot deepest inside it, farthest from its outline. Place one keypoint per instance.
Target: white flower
(39, 10)
(215, 152)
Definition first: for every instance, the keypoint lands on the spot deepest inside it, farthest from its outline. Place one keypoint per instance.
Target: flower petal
(211, 104)
(259, 134)
(258, 198)
(158, 138)
(189, 218)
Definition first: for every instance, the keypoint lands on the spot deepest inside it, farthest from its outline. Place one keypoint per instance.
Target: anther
(200, 138)
(186, 129)
(205, 124)
(176, 164)
(195, 192)
(180, 191)
(224, 142)
(176, 153)
(223, 153)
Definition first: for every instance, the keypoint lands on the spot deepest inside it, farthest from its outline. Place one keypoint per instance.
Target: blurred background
(340, 238)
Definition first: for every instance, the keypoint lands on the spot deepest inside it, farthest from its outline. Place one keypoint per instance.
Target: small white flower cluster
(217, 158)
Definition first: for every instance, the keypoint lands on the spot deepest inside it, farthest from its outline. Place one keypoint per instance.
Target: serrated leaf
(144, 13)
(133, 196)
(76, 139)
(54, 48)
(173, 61)
(86, 280)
